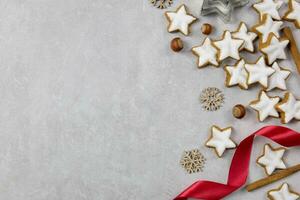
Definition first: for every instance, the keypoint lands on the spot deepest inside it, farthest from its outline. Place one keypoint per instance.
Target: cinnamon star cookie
(271, 159)
(265, 106)
(269, 7)
(277, 80)
(259, 72)
(267, 26)
(220, 140)
(283, 193)
(207, 53)
(237, 75)
(245, 35)
(228, 47)
(179, 20)
(274, 48)
(293, 14)
(289, 108)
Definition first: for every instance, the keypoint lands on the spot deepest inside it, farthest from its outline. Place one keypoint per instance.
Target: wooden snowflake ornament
(212, 99)
(161, 4)
(192, 161)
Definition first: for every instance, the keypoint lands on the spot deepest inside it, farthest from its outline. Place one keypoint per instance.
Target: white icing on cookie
(248, 37)
(259, 72)
(277, 79)
(237, 75)
(283, 193)
(269, 7)
(179, 20)
(272, 159)
(289, 108)
(293, 13)
(220, 140)
(228, 47)
(268, 26)
(207, 53)
(275, 49)
(265, 106)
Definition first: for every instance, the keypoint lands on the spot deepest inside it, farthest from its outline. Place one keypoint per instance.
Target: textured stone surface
(95, 106)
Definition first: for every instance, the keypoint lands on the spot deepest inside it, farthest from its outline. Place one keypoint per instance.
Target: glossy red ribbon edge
(239, 168)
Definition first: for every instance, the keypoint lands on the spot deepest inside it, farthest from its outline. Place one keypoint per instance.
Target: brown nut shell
(176, 44)
(239, 111)
(206, 29)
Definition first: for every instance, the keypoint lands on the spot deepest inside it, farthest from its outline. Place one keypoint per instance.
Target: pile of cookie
(266, 71)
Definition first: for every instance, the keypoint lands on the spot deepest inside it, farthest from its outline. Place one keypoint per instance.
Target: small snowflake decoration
(192, 161)
(162, 4)
(212, 99)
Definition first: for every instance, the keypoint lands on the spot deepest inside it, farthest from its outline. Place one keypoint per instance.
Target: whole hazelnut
(176, 44)
(206, 29)
(239, 111)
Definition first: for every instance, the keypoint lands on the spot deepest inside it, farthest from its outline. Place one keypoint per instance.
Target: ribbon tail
(206, 190)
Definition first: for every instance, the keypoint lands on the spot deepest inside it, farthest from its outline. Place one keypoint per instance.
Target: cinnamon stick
(293, 46)
(272, 178)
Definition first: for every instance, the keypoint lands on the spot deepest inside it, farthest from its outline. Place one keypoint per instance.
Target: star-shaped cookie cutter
(223, 8)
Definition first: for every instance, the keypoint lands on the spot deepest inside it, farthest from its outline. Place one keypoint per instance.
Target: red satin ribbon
(239, 168)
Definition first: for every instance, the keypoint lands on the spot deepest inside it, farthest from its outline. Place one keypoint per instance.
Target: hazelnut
(239, 111)
(206, 29)
(176, 44)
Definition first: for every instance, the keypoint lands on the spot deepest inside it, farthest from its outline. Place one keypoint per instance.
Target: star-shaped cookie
(179, 20)
(220, 140)
(248, 37)
(274, 48)
(265, 106)
(269, 7)
(278, 78)
(283, 193)
(289, 108)
(259, 72)
(267, 26)
(228, 47)
(293, 14)
(237, 75)
(207, 53)
(271, 159)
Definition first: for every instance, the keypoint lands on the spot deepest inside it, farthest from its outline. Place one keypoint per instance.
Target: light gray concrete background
(94, 105)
